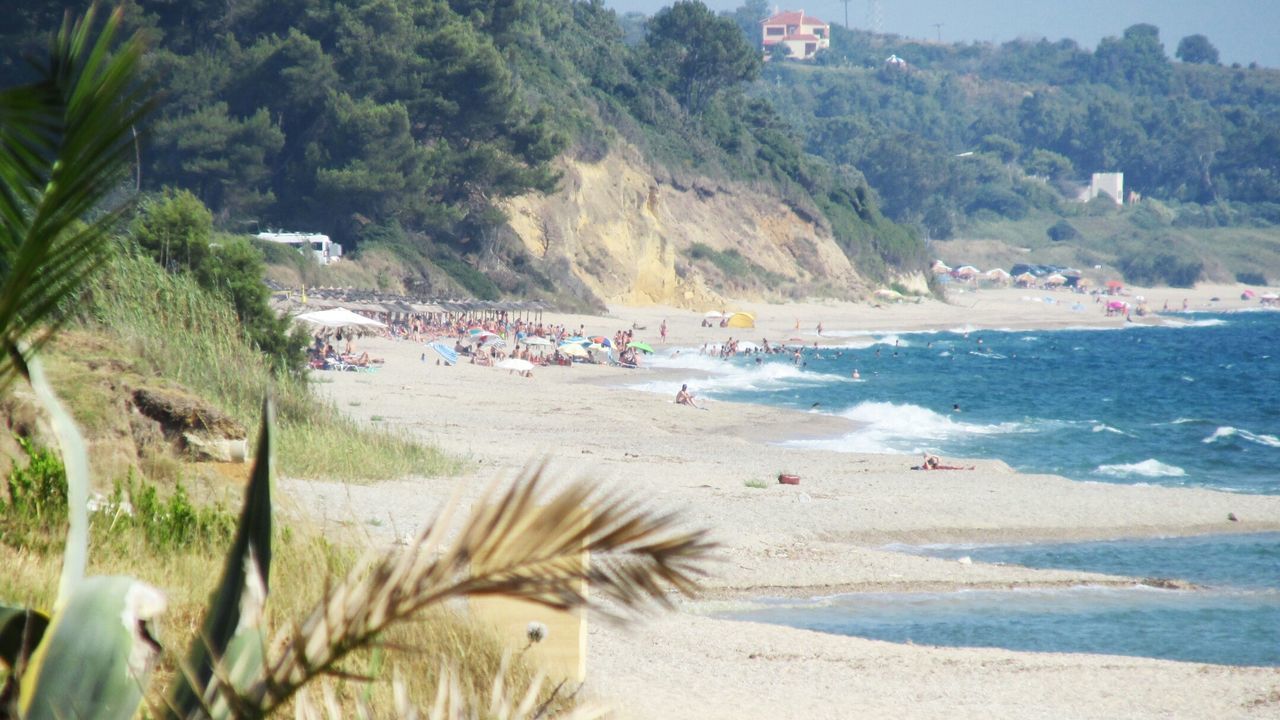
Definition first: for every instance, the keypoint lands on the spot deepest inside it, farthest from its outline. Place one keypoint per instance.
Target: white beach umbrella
(536, 340)
(338, 318)
(573, 350)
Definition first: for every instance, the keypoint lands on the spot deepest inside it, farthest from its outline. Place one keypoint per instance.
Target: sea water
(1231, 618)
(1196, 403)
(1193, 401)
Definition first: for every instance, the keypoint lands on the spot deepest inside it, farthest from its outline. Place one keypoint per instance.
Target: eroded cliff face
(626, 234)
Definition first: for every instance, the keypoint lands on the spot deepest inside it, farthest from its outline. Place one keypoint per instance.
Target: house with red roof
(802, 35)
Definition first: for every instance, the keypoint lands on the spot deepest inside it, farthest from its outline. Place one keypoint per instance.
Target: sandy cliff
(626, 231)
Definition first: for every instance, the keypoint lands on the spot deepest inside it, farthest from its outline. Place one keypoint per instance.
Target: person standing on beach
(662, 331)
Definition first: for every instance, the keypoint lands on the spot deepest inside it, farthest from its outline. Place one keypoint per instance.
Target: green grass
(1106, 239)
(756, 483)
(735, 267)
(162, 325)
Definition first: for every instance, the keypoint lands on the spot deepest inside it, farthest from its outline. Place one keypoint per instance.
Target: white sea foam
(890, 427)
(1147, 468)
(1103, 427)
(1208, 322)
(724, 376)
(1226, 432)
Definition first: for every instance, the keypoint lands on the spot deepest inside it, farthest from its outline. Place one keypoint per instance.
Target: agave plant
(63, 141)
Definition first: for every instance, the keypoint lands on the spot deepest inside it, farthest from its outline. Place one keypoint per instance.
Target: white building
(1110, 183)
(802, 36)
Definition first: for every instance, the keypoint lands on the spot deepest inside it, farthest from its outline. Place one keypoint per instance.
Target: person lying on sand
(932, 462)
(684, 397)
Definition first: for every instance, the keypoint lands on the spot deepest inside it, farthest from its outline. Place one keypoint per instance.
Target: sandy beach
(821, 537)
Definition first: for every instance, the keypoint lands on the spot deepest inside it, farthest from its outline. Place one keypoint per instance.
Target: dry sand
(821, 537)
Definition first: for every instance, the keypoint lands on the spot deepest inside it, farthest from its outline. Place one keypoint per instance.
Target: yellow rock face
(625, 233)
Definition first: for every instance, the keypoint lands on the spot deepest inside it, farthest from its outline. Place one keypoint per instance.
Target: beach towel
(448, 354)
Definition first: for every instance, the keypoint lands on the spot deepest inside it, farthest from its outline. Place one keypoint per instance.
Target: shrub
(38, 491)
(468, 277)
(176, 230)
(1251, 278)
(1161, 268)
(1061, 231)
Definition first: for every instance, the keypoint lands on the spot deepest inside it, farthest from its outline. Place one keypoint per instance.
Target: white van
(325, 250)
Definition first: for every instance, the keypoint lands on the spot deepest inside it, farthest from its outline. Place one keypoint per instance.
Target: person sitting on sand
(684, 397)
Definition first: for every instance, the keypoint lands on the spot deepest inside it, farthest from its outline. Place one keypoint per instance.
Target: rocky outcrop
(197, 427)
(627, 233)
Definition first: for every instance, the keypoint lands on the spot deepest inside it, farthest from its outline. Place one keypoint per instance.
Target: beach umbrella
(966, 271)
(338, 318)
(940, 268)
(642, 347)
(742, 320)
(537, 340)
(1269, 296)
(477, 331)
(446, 353)
(576, 339)
(997, 274)
(1117, 305)
(494, 341)
(1247, 295)
(573, 350)
(1055, 279)
(514, 364)
(1026, 278)
(713, 315)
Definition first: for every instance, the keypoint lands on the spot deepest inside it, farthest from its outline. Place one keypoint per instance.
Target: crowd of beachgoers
(485, 340)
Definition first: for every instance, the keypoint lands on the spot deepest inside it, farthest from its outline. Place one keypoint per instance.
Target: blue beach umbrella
(446, 353)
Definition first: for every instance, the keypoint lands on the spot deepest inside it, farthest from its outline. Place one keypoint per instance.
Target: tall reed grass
(305, 565)
(164, 324)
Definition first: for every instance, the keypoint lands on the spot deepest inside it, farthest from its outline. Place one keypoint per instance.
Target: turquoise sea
(1191, 402)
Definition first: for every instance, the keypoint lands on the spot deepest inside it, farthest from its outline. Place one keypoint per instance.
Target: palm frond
(517, 546)
(451, 702)
(64, 140)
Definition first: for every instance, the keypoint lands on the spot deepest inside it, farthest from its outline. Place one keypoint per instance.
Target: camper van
(325, 250)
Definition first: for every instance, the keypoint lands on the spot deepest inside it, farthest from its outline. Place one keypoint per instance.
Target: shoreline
(825, 536)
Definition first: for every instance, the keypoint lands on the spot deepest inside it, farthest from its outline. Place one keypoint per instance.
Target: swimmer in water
(856, 375)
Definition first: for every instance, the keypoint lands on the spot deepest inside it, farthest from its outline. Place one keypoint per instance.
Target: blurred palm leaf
(64, 141)
(517, 546)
